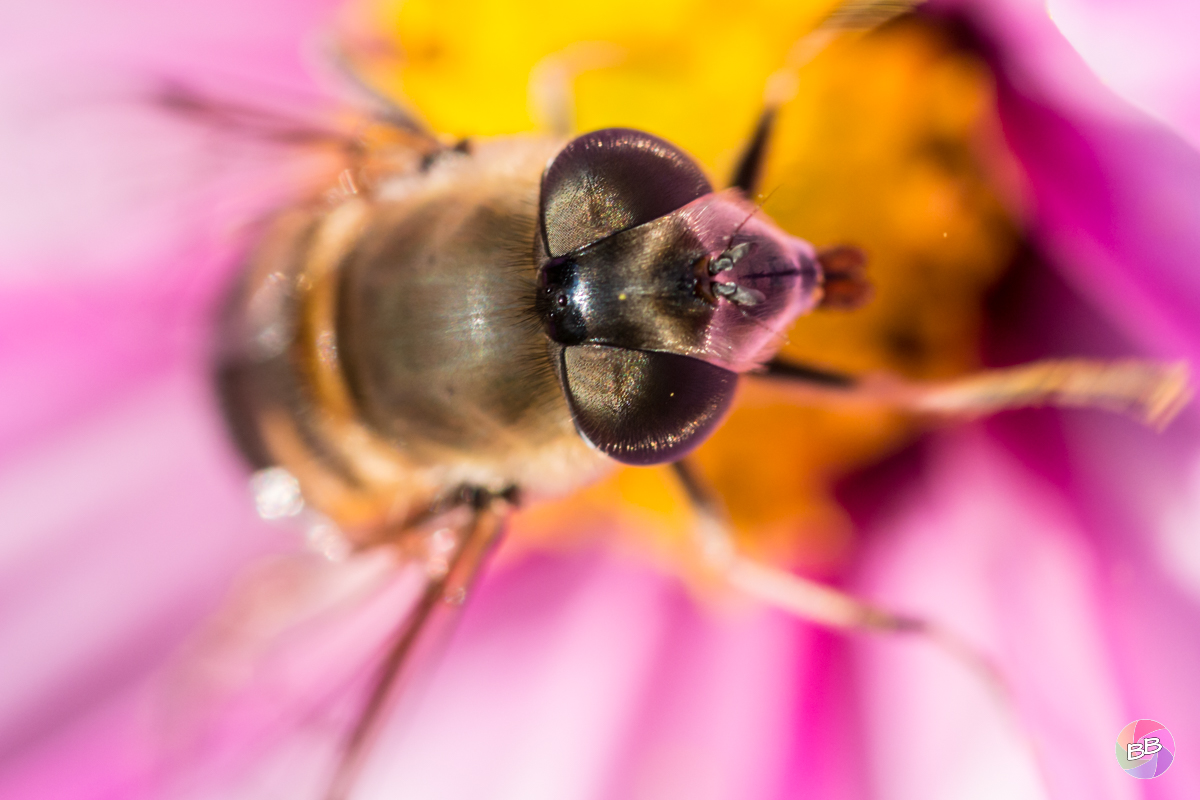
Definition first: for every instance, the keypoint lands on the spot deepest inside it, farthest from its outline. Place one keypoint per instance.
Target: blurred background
(1024, 179)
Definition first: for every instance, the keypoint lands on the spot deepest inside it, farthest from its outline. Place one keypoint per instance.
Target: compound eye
(611, 180)
(642, 407)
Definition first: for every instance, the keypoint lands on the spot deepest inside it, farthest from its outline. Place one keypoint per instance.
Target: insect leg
(748, 174)
(1150, 391)
(807, 599)
(446, 591)
(810, 600)
(827, 606)
(552, 83)
(849, 15)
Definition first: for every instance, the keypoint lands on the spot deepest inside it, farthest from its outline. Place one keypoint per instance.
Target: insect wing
(278, 661)
(283, 691)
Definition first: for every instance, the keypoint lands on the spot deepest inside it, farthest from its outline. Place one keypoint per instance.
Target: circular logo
(1145, 748)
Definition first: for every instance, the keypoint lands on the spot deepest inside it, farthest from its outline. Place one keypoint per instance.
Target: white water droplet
(276, 493)
(324, 537)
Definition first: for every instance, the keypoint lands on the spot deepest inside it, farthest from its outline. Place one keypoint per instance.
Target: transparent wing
(281, 694)
(252, 120)
(423, 632)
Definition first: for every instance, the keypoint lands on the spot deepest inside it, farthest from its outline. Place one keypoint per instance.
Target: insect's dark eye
(611, 180)
(643, 407)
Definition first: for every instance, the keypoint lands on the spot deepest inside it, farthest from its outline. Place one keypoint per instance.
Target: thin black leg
(782, 369)
(748, 174)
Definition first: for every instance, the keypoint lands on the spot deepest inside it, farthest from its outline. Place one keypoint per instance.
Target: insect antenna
(758, 206)
(780, 335)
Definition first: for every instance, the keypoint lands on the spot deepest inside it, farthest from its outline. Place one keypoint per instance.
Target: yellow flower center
(891, 144)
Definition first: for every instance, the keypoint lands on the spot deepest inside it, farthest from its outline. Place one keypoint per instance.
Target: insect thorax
(385, 349)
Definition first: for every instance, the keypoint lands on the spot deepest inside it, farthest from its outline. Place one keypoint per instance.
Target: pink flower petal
(126, 516)
(1145, 52)
(991, 551)
(583, 677)
(126, 512)
(1113, 192)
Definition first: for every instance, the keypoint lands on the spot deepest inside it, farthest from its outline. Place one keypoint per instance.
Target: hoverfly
(471, 326)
